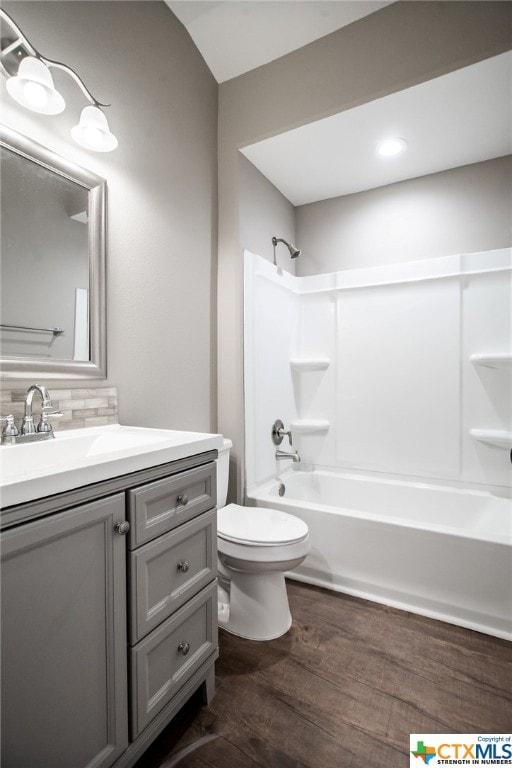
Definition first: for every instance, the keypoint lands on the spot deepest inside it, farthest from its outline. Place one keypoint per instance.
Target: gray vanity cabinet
(108, 615)
(63, 612)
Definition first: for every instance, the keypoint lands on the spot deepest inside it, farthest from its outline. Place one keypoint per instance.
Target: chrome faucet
(28, 432)
(27, 425)
(285, 455)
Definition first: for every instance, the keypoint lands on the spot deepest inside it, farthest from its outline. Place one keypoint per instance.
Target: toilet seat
(259, 526)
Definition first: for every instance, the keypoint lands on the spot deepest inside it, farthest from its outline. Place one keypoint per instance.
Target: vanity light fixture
(30, 83)
(391, 147)
(92, 131)
(33, 87)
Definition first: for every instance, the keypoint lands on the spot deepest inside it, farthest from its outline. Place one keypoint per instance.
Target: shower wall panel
(398, 378)
(486, 388)
(381, 369)
(271, 311)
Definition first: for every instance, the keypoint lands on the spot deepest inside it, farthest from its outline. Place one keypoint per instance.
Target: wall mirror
(52, 310)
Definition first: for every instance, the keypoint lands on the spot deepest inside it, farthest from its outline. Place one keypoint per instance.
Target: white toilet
(256, 545)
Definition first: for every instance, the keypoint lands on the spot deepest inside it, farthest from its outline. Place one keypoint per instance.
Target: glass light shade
(391, 147)
(92, 132)
(33, 87)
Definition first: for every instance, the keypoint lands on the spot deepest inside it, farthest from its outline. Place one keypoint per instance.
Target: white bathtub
(440, 551)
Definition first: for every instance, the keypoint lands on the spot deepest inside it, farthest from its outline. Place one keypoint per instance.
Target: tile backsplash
(88, 407)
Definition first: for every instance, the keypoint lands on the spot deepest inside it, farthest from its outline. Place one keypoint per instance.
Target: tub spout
(285, 455)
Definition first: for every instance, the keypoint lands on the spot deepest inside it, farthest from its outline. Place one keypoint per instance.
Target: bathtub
(437, 550)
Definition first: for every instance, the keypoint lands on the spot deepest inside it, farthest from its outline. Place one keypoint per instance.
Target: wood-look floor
(343, 688)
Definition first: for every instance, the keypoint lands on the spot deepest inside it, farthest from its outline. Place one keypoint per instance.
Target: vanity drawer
(158, 507)
(164, 661)
(166, 572)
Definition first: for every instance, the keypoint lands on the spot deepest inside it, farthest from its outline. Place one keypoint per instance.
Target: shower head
(294, 252)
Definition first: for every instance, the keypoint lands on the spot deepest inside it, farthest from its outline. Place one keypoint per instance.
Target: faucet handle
(10, 429)
(289, 433)
(278, 432)
(44, 425)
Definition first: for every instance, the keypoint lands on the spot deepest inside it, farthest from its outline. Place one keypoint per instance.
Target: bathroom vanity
(109, 601)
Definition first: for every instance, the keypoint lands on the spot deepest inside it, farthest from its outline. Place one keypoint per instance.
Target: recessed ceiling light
(391, 147)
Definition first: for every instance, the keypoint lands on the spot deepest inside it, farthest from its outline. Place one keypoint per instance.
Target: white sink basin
(82, 456)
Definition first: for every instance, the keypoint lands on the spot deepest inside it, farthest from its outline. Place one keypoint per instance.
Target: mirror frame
(16, 367)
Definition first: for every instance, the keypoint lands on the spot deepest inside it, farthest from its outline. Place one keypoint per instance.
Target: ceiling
(235, 37)
(460, 118)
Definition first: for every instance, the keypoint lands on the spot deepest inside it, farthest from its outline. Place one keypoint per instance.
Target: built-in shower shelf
(499, 437)
(495, 360)
(307, 426)
(309, 363)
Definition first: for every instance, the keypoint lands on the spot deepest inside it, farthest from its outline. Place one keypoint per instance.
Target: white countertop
(80, 457)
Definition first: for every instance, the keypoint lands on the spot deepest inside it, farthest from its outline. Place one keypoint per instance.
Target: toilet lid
(259, 525)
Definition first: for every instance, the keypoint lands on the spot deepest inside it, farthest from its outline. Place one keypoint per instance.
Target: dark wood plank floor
(344, 688)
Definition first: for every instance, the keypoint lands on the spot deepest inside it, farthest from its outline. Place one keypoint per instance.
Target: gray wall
(264, 212)
(162, 194)
(399, 46)
(458, 211)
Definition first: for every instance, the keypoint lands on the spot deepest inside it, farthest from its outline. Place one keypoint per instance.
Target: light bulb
(92, 136)
(35, 95)
(391, 147)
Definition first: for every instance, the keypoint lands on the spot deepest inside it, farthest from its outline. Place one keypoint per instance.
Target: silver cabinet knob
(184, 648)
(182, 499)
(183, 566)
(122, 528)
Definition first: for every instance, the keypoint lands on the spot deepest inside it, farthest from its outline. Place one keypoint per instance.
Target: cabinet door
(63, 640)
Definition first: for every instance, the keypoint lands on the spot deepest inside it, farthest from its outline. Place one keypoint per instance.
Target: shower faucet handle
(278, 432)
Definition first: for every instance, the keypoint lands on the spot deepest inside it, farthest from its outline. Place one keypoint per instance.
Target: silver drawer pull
(182, 499)
(184, 648)
(183, 566)
(122, 528)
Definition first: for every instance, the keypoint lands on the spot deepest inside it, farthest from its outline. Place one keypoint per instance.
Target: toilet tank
(223, 473)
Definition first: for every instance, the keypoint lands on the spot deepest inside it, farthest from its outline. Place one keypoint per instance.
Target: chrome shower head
(294, 252)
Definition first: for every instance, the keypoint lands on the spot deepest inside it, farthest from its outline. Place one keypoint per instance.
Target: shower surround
(395, 382)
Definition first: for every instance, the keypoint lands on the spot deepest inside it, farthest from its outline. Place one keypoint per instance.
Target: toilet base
(258, 606)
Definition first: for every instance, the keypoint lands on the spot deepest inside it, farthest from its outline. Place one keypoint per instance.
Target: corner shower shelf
(499, 437)
(306, 426)
(495, 360)
(310, 363)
